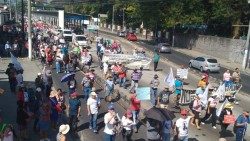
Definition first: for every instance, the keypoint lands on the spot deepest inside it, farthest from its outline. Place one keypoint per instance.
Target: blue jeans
(93, 121)
(135, 114)
(183, 138)
(109, 91)
(86, 91)
(166, 136)
(122, 82)
(240, 133)
(153, 94)
(58, 67)
(108, 137)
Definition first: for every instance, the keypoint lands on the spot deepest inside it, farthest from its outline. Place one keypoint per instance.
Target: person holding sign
(163, 98)
(241, 125)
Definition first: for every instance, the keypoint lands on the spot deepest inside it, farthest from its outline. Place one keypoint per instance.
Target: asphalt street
(183, 59)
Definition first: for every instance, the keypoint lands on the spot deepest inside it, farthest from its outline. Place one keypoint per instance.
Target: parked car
(121, 34)
(163, 47)
(131, 37)
(205, 64)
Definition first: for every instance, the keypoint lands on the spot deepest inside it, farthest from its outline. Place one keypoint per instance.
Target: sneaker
(214, 127)
(202, 123)
(95, 131)
(90, 127)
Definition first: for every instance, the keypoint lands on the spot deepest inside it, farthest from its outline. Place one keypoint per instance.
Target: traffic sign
(103, 15)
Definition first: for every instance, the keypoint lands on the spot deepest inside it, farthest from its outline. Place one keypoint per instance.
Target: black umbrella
(159, 114)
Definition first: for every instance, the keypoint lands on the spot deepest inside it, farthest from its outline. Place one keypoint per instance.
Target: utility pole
(113, 18)
(123, 19)
(29, 30)
(247, 48)
(10, 10)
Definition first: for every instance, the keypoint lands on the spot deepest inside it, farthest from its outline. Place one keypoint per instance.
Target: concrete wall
(224, 48)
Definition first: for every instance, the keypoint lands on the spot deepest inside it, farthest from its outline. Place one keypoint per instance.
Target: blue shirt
(167, 126)
(199, 91)
(74, 105)
(178, 86)
(241, 119)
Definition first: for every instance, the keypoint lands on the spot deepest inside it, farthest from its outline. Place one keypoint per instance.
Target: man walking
(156, 59)
(110, 121)
(135, 76)
(153, 90)
(93, 104)
(74, 111)
(11, 72)
(241, 125)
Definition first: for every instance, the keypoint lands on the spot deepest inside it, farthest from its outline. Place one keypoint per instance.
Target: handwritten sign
(143, 93)
(183, 73)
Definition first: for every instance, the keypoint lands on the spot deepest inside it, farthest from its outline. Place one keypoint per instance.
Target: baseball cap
(111, 106)
(93, 93)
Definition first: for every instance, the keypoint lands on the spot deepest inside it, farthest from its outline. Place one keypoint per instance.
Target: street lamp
(247, 48)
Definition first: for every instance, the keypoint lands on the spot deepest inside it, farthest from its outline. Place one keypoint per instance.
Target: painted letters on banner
(183, 73)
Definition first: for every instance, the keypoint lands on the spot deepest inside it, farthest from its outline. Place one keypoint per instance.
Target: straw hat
(64, 129)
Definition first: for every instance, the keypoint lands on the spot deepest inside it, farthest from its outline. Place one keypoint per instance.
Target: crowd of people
(46, 106)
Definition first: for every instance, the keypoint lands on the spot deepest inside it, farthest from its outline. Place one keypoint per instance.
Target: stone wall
(219, 47)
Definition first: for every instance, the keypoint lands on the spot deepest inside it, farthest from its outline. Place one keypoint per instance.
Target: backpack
(191, 105)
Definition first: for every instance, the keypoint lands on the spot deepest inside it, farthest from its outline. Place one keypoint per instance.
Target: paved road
(183, 59)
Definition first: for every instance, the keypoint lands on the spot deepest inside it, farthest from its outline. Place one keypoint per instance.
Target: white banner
(130, 61)
(204, 97)
(183, 73)
(170, 80)
(17, 65)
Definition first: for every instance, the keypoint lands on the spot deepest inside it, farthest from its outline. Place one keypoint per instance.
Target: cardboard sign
(183, 73)
(229, 119)
(143, 93)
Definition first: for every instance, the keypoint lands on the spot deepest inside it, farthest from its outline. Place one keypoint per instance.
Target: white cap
(39, 73)
(93, 93)
(64, 128)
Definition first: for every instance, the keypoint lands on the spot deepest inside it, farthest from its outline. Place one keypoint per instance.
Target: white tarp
(130, 61)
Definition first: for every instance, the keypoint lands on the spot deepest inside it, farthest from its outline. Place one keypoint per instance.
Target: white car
(67, 34)
(80, 40)
(205, 64)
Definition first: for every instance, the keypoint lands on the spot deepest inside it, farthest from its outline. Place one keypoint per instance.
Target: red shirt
(20, 96)
(135, 103)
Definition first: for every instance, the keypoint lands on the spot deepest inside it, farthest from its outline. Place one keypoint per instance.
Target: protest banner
(130, 61)
(143, 93)
(183, 73)
(218, 112)
(229, 119)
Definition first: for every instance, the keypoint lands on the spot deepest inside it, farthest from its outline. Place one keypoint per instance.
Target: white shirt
(213, 102)
(105, 67)
(109, 128)
(19, 78)
(9, 137)
(127, 123)
(7, 46)
(182, 125)
(93, 104)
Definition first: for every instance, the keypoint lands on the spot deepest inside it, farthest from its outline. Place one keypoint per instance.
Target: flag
(205, 96)
(13, 60)
(221, 92)
(170, 80)
(218, 112)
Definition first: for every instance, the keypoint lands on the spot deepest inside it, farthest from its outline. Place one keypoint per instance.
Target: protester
(196, 109)
(22, 121)
(153, 89)
(115, 71)
(86, 86)
(72, 84)
(182, 125)
(163, 98)
(236, 76)
(241, 125)
(11, 72)
(178, 90)
(202, 83)
(156, 59)
(109, 86)
(74, 111)
(127, 124)
(227, 78)
(55, 108)
(7, 49)
(227, 110)
(19, 78)
(44, 120)
(110, 120)
(135, 106)
(63, 130)
(167, 129)
(122, 76)
(211, 110)
(135, 77)
(93, 104)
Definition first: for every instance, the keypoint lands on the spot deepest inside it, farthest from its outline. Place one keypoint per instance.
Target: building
(4, 14)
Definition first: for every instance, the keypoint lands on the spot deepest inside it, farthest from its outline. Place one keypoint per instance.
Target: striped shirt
(136, 76)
